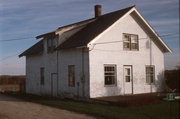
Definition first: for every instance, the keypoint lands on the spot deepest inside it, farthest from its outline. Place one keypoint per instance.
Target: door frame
(53, 85)
(132, 82)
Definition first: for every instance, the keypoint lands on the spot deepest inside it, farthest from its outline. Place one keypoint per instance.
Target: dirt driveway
(11, 108)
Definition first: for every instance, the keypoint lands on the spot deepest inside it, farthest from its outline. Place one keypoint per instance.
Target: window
(71, 75)
(51, 43)
(42, 75)
(130, 42)
(110, 74)
(127, 74)
(150, 74)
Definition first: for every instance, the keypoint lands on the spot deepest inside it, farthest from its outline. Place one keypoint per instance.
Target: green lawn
(160, 110)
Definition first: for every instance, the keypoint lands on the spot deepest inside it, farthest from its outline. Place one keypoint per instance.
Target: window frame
(130, 42)
(51, 44)
(42, 77)
(115, 74)
(69, 76)
(129, 75)
(150, 81)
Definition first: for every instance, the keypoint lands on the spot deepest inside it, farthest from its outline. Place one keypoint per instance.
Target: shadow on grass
(109, 110)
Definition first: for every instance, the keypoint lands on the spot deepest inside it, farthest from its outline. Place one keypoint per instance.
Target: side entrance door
(54, 84)
(128, 80)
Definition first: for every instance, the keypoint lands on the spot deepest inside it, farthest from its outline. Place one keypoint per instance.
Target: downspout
(150, 60)
(82, 69)
(132, 80)
(57, 68)
(83, 76)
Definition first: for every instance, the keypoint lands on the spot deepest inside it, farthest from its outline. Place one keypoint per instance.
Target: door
(128, 80)
(54, 84)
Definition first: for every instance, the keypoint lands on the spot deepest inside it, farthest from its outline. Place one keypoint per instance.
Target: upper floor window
(51, 44)
(130, 42)
(110, 74)
(150, 74)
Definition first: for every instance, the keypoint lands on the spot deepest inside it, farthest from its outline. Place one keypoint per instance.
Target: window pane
(127, 71)
(127, 45)
(134, 46)
(148, 79)
(128, 79)
(126, 37)
(126, 41)
(134, 39)
(109, 80)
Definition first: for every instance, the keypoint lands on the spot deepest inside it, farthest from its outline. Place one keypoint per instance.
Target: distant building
(112, 54)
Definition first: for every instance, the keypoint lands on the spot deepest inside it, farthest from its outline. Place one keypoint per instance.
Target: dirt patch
(12, 108)
(2, 116)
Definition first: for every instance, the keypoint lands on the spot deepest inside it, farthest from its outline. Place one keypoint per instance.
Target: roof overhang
(53, 33)
(155, 35)
(163, 44)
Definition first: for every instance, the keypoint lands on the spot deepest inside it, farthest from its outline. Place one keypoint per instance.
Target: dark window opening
(110, 74)
(71, 75)
(130, 42)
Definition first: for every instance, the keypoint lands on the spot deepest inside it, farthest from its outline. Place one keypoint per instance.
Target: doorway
(128, 80)
(54, 84)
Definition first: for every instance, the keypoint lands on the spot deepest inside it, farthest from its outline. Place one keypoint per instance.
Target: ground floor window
(71, 75)
(42, 75)
(110, 74)
(150, 74)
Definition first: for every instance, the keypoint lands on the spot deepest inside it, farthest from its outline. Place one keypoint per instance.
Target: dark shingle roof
(93, 29)
(62, 27)
(35, 49)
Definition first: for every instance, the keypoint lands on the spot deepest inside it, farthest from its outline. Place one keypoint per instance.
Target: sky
(21, 19)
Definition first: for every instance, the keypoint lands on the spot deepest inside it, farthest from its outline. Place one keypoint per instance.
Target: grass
(152, 111)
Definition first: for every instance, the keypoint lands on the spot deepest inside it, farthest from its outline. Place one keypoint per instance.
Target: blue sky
(29, 18)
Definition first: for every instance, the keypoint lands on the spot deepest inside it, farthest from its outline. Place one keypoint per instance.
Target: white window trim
(115, 80)
(130, 42)
(153, 83)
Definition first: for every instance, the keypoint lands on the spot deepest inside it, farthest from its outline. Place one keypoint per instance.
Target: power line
(16, 39)
(26, 38)
(8, 57)
(165, 35)
(169, 34)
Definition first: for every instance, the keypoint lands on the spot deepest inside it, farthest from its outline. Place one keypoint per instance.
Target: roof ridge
(93, 18)
(93, 29)
(119, 10)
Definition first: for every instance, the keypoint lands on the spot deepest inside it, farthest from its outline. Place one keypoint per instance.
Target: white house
(117, 53)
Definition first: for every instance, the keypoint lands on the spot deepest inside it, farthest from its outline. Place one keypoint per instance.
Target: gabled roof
(38, 47)
(74, 25)
(85, 35)
(35, 49)
(88, 34)
(92, 28)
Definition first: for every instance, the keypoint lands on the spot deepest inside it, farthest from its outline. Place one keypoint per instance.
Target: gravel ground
(12, 108)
